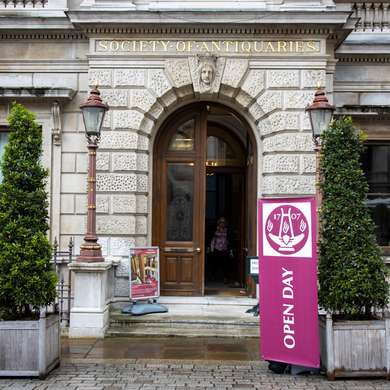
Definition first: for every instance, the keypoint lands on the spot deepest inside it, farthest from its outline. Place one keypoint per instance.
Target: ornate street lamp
(320, 114)
(93, 114)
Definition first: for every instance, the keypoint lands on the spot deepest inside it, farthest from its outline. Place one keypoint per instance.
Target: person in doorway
(219, 247)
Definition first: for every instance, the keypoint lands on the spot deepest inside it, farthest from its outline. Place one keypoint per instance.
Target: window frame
(378, 142)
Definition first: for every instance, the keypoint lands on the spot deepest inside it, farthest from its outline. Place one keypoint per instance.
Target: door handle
(197, 250)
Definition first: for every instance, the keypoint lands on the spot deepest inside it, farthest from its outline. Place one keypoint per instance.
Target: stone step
(196, 317)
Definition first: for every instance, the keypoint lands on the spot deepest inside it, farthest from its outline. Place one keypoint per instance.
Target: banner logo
(287, 229)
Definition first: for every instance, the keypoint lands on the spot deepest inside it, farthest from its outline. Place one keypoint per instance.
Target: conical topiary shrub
(352, 273)
(26, 280)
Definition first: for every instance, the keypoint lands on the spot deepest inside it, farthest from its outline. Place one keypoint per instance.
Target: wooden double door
(179, 200)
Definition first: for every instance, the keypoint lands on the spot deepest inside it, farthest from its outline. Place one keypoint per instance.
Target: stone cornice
(42, 35)
(368, 58)
(133, 18)
(57, 94)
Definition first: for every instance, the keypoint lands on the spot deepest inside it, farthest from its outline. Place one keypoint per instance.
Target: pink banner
(288, 281)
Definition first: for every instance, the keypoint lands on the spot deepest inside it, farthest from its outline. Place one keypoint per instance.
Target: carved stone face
(207, 74)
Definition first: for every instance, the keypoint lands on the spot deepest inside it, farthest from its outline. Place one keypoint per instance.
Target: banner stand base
(139, 309)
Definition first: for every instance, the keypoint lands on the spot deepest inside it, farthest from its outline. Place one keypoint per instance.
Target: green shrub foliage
(25, 277)
(352, 273)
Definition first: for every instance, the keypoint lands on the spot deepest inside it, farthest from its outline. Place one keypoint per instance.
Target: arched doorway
(204, 169)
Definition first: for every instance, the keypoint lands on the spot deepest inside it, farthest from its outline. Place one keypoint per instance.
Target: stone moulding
(30, 348)
(355, 348)
(57, 94)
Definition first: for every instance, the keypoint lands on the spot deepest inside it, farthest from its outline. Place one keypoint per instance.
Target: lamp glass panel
(320, 120)
(93, 119)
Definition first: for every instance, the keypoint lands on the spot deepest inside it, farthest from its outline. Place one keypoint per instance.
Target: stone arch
(236, 86)
(140, 97)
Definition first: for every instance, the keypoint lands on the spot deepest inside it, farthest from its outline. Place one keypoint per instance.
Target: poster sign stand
(288, 281)
(144, 277)
(144, 273)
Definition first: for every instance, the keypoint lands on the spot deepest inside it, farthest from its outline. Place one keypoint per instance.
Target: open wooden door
(179, 203)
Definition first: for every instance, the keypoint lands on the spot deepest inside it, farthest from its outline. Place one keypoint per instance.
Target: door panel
(180, 225)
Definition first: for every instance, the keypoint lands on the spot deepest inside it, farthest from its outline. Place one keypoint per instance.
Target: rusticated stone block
(100, 77)
(115, 97)
(141, 241)
(147, 126)
(234, 72)
(179, 72)
(102, 161)
(256, 111)
(244, 99)
(120, 246)
(158, 82)
(115, 224)
(122, 250)
(142, 162)
(142, 183)
(169, 98)
(254, 82)
(124, 161)
(312, 78)
(107, 121)
(142, 204)
(119, 140)
(283, 78)
(270, 101)
(298, 99)
(278, 121)
(143, 142)
(141, 224)
(102, 204)
(129, 77)
(280, 164)
(288, 185)
(124, 203)
(142, 99)
(127, 119)
(293, 142)
(108, 182)
(308, 163)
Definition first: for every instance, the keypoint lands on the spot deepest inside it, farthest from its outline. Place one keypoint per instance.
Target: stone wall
(141, 97)
(270, 94)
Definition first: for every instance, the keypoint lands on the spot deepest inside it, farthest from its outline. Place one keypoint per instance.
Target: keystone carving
(206, 72)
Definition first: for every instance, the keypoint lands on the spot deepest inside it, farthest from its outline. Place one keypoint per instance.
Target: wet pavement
(197, 348)
(173, 364)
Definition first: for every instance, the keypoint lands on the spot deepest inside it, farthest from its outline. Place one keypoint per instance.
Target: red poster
(288, 281)
(144, 273)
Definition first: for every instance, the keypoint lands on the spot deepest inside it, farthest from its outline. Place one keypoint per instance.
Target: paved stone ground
(148, 374)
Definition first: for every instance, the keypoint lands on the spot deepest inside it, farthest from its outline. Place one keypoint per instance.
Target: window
(3, 141)
(376, 164)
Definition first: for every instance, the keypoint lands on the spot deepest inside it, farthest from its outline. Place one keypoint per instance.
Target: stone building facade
(265, 58)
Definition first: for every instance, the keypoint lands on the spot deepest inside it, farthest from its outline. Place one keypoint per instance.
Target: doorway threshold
(208, 300)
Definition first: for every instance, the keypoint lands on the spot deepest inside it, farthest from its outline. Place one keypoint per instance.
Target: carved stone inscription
(128, 46)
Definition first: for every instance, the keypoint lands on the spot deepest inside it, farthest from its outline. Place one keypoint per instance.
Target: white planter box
(355, 348)
(30, 348)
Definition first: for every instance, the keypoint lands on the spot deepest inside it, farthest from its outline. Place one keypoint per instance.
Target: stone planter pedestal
(89, 315)
(30, 348)
(355, 348)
